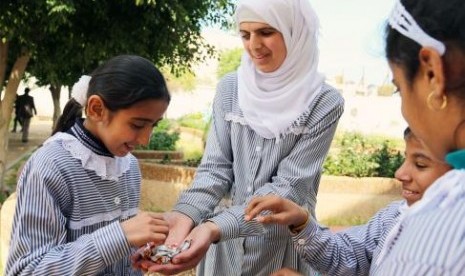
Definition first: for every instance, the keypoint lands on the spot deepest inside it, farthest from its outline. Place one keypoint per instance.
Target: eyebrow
(259, 29)
(421, 155)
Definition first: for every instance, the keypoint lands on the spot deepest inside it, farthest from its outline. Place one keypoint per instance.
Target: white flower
(79, 90)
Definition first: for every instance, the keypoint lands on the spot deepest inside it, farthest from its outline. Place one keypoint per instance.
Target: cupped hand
(201, 238)
(145, 227)
(280, 211)
(180, 226)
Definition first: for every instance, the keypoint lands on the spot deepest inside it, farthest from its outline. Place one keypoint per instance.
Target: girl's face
(264, 44)
(419, 170)
(123, 130)
(423, 121)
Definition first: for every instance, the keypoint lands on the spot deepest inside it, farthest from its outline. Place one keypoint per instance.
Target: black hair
(443, 20)
(26, 90)
(120, 82)
(408, 133)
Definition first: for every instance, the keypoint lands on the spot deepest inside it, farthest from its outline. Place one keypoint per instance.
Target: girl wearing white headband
(425, 47)
(273, 123)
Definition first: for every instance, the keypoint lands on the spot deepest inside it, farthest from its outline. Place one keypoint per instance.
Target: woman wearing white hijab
(273, 123)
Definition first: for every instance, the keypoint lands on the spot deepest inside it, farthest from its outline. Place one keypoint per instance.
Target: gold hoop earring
(430, 104)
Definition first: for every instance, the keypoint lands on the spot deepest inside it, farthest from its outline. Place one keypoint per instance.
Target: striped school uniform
(239, 164)
(72, 196)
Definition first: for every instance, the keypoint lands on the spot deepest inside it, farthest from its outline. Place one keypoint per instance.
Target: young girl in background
(78, 195)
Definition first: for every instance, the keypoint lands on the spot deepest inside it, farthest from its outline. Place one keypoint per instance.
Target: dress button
(117, 200)
(258, 148)
(249, 189)
(301, 241)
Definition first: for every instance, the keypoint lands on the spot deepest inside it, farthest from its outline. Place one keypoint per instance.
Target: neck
(459, 136)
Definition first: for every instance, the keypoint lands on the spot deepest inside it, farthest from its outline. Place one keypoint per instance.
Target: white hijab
(271, 102)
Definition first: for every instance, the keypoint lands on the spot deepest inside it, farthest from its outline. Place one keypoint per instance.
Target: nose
(255, 42)
(143, 138)
(402, 173)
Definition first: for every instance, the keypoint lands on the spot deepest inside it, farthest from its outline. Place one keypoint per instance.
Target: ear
(95, 108)
(432, 67)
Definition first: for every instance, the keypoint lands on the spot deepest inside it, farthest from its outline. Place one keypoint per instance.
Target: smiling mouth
(262, 56)
(408, 194)
(129, 147)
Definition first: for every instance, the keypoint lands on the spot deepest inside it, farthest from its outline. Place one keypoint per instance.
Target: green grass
(345, 221)
(10, 180)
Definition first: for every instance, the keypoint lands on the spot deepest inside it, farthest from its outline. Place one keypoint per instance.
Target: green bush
(163, 137)
(193, 120)
(356, 155)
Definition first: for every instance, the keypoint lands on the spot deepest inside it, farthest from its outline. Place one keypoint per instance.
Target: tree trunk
(3, 59)
(55, 89)
(6, 108)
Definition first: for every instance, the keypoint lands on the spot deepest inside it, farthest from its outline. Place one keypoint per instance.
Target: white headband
(79, 90)
(404, 23)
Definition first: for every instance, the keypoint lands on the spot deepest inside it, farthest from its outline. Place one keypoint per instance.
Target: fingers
(260, 204)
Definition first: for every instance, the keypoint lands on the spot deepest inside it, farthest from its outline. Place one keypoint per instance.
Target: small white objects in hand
(163, 254)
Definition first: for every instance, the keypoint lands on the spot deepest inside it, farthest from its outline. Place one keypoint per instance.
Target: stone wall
(338, 197)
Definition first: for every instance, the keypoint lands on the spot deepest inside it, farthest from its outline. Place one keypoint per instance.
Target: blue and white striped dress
(350, 252)
(239, 164)
(67, 218)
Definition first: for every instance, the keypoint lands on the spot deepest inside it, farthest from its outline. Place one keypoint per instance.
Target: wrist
(214, 231)
(296, 228)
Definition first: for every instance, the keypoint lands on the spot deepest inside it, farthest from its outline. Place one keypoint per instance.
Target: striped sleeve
(349, 252)
(39, 244)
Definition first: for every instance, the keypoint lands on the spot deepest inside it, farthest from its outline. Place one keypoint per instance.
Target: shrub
(356, 155)
(194, 120)
(163, 137)
(388, 160)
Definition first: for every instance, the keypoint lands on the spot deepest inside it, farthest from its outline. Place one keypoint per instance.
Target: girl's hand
(180, 225)
(145, 227)
(201, 238)
(283, 211)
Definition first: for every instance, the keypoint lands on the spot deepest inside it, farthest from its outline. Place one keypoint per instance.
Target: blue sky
(351, 38)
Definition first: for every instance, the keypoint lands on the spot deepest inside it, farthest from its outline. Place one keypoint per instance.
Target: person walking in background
(78, 195)
(356, 250)
(26, 110)
(273, 123)
(17, 118)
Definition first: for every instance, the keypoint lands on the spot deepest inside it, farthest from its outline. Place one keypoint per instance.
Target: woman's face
(264, 44)
(423, 121)
(419, 170)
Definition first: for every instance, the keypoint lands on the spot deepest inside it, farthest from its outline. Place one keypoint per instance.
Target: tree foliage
(229, 61)
(59, 40)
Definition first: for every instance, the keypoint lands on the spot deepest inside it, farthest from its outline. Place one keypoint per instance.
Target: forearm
(89, 254)
(332, 254)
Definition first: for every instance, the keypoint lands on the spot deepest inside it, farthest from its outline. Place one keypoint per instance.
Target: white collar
(108, 168)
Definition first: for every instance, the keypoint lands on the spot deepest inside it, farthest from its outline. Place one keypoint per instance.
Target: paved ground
(40, 130)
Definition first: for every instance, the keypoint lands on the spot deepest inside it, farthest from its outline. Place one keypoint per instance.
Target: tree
(229, 61)
(64, 39)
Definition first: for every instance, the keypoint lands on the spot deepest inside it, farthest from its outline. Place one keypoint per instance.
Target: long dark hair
(120, 82)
